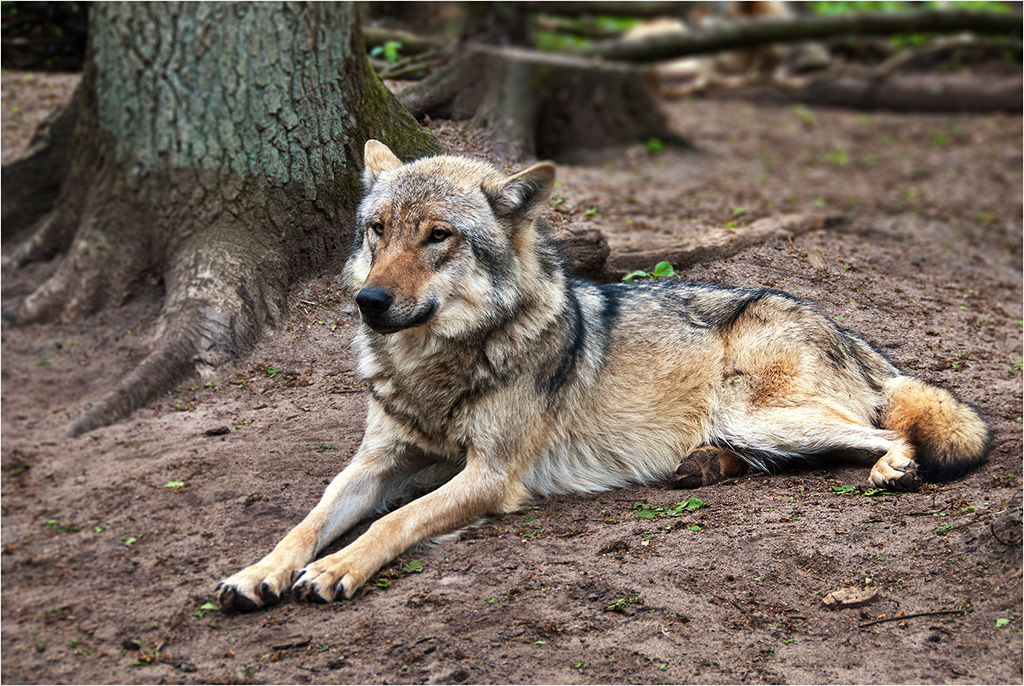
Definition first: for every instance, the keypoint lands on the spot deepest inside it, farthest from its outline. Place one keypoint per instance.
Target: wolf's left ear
(521, 194)
(377, 158)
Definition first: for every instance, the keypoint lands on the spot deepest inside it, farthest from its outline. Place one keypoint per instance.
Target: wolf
(494, 376)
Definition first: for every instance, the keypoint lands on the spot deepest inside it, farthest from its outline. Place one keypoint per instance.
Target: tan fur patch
(773, 380)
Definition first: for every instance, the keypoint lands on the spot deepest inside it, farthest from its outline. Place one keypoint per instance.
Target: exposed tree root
(49, 236)
(223, 200)
(33, 181)
(542, 105)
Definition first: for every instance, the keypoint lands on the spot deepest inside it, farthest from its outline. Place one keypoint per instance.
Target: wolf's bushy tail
(949, 436)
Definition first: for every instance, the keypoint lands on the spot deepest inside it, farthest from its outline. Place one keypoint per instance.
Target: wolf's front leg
(353, 494)
(477, 490)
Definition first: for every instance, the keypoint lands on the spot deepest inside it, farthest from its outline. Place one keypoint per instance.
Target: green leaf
(693, 504)
(846, 489)
(664, 269)
(391, 49)
(655, 146)
(638, 274)
(1001, 622)
(174, 484)
(413, 567)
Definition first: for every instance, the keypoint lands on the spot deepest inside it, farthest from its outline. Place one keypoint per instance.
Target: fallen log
(749, 33)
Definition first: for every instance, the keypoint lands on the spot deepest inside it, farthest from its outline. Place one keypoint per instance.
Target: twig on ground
(913, 614)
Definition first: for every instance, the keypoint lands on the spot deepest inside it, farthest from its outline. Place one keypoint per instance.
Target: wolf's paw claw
(233, 601)
(685, 480)
(268, 596)
(705, 466)
(308, 590)
(910, 481)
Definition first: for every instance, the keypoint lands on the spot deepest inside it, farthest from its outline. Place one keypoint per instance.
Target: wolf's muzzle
(384, 316)
(373, 302)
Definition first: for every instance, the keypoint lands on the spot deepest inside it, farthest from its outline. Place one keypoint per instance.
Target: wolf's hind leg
(791, 433)
(706, 465)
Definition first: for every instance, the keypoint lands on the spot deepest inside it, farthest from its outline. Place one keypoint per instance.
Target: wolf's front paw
(327, 579)
(254, 587)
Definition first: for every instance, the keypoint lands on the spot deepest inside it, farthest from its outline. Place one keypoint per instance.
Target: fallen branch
(641, 9)
(707, 79)
(745, 34)
(913, 614)
(716, 244)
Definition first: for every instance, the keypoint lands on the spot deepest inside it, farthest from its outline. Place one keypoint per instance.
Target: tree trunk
(216, 147)
(539, 105)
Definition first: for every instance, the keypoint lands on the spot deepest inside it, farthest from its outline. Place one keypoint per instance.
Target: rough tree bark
(214, 146)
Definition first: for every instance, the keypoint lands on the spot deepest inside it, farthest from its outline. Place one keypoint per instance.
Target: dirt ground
(113, 542)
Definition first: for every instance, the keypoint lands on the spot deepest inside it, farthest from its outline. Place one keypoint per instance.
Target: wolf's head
(445, 242)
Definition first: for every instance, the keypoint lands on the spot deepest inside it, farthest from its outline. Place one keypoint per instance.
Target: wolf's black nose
(373, 301)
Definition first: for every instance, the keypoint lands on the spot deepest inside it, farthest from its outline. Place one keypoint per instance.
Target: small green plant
(592, 212)
(389, 50)
(1001, 622)
(661, 270)
(839, 157)
(642, 510)
(846, 489)
(655, 146)
(321, 447)
(413, 567)
(45, 362)
(174, 484)
(204, 608)
(619, 604)
(805, 116)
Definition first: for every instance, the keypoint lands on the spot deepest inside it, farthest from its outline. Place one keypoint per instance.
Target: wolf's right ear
(521, 194)
(377, 158)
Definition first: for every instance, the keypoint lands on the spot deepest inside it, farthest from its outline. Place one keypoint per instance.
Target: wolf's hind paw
(895, 472)
(706, 466)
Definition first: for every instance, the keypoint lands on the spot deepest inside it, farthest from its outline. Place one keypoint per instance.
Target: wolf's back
(948, 435)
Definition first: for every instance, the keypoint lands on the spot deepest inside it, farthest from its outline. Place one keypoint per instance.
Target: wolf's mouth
(385, 326)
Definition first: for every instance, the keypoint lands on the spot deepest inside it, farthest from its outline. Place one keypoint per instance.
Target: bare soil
(113, 542)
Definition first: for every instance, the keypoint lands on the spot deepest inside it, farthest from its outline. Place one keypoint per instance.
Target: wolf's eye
(377, 228)
(438, 235)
